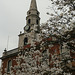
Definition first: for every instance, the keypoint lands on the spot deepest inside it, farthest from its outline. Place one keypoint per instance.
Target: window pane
(9, 65)
(25, 41)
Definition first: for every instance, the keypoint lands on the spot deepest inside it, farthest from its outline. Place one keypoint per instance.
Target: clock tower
(33, 16)
(32, 27)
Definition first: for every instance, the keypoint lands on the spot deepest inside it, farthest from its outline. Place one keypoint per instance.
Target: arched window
(37, 22)
(29, 12)
(25, 41)
(29, 21)
(9, 65)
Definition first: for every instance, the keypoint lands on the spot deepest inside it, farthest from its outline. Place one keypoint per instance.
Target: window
(9, 65)
(25, 41)
(37, 22)
(29, 12)
(29, 21)
(37, 13)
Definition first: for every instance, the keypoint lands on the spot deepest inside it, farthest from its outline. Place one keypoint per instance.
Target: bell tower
(33, 15)
(32, 28)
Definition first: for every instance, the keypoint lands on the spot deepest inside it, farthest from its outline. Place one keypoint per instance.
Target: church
(27, 39)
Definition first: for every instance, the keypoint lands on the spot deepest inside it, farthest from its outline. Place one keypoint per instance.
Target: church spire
(33, 15)
(33, 5)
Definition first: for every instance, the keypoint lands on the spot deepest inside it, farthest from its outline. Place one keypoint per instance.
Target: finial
(5, 50)
(20, 32)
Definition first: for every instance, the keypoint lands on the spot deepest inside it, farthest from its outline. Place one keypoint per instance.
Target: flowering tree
(62, 24)
(63, 17)
(35, 60)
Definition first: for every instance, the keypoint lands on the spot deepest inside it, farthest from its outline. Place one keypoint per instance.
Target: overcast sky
(13, 19)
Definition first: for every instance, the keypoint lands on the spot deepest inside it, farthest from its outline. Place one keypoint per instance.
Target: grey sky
(13, 19)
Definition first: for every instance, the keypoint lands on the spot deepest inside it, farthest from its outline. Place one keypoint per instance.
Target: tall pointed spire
(33, 15)
(33, 5)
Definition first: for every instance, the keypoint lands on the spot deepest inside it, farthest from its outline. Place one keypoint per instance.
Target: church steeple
(33, 15)
(32, 27)
(33, 5)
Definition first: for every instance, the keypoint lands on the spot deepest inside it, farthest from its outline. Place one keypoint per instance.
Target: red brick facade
(5, 63)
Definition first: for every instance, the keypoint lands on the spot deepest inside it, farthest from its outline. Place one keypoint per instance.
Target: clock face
(27, 27)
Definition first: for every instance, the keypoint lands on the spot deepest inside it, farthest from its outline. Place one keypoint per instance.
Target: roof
(10, 53)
